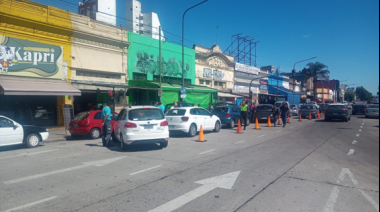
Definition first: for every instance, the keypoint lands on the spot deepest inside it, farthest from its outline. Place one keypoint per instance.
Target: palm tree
(316, 70)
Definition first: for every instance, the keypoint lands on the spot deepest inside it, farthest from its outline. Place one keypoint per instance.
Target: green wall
(143, 55)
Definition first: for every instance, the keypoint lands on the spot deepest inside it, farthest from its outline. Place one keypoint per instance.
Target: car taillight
(295, 108)
(164, 124)
(130, 125)
(228, 115)
(185, 118)
(344, 110)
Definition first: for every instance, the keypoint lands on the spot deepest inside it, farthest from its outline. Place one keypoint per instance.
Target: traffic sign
(160, 92)
(183, 90)
(183, 96)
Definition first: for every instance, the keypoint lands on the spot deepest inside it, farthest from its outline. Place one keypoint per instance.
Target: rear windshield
(264, 107)
(293, 106)
(337, 107)
(359, 106)
(176, 113)
(146, 115)
(278, 104)
(373, 106)
(81, 116)
(221, 110)
(307, 107)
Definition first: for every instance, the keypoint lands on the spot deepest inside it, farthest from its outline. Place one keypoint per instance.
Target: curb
(56, 140)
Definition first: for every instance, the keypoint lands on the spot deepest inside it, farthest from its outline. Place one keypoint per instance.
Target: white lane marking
(354, 142)
(226, 181)
(239, 142)
(145, 170)
(357, 135)
(261, 136)
(351, 152)
(292, 127)
(330, 205)
(29, 154)
(279, 131)
(361, 126)
(67, 156)
(202, 153)
(99, 163)
(360, 130)
(30, 204)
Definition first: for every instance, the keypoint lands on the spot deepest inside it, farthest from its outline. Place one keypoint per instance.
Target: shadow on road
(15, 147)
(136, 148)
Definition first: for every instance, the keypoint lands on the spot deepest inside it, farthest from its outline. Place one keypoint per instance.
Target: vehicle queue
(155, 124)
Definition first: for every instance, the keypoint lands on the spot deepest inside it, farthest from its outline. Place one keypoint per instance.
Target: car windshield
(374, 107)
(176, 112)
(81, 116)
(264, 107)
(307, 107)
(337, 107)
(146, 114)
(221, 110)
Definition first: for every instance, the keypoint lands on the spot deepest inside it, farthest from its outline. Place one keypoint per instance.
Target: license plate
(149, 127)
(335, 114)
(264, 118)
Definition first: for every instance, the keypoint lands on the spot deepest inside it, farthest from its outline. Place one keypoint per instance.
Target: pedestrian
(252, 109)
(275, 113)
(284, 113)
(175, 105)
(159, 105)
(210, 108)
(244, 113)
(106, 124)
(199, 105)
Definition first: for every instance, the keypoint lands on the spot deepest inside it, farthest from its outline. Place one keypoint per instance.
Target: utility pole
(278, 76)
(160, 57)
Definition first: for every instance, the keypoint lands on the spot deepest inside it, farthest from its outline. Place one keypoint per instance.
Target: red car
(89, 123)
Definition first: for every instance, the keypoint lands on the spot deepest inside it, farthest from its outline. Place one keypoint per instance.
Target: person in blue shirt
(159, 105)
(107, 124)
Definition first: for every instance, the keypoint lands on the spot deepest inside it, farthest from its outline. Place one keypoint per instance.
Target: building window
(208, 82)
(139, 76)
(98, 75)
(137, 18)
(94, 8)
(81, 11)
(201, 82)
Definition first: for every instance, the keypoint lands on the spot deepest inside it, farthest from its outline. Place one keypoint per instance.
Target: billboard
(27, 58)
(247, 69)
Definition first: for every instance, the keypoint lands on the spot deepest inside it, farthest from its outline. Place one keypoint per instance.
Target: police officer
(244, 113)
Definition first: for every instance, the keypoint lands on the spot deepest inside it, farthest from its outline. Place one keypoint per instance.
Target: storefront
(35, 56)
(287, 94)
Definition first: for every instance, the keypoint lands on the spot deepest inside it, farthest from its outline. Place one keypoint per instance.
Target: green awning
(172, 87)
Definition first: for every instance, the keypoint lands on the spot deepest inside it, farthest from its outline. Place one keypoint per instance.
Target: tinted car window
(204, 113)
(374, 107)
(235, 110)
(337, 107)
(307, 107)
(81, 116)
(5, 123)
(176, 112)
(221, 110)
(98, 116)
(145, 114)
(195, 112)
(264, 107)
(123, 115)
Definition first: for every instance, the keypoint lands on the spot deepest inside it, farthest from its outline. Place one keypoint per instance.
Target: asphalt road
(308, 166)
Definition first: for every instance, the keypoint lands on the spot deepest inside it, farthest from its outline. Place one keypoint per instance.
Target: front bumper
(44, 136)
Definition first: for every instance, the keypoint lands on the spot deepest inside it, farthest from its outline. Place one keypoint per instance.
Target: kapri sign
(17, 55)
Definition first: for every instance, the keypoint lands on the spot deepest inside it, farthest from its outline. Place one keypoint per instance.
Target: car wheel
(192, 130)
(95, 133)
(33, 140)
(232, 124)
(164, 144)
(123, 146)
(217, 127)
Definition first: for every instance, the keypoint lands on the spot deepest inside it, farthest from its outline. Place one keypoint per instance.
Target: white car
(141, 125)
(190, 119)
(12, 133)
(372, 111)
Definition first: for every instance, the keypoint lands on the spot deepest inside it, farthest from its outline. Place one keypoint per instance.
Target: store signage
(245, 89)
(246, 69)
(23, 56)
(213, 74)
(264, 82)
(263, 87)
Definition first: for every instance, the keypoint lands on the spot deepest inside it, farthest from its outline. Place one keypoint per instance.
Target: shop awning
(281, 90)
(227, 95)
(172, 87)
(27, 86)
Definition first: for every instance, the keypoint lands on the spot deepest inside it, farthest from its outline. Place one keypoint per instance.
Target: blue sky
(343, 34)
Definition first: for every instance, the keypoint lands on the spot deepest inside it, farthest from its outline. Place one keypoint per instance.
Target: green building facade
(144, 73)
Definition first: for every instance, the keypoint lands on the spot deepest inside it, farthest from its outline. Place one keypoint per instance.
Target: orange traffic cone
(257, 126)
(239, 131)
(269, 122)
(300, 118)
(321, 115)
(318, 116)
(310, 118)
(288, 120)
(279, 121)
(201, 135)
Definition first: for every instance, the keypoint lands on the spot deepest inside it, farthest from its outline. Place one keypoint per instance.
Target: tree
(315, 70)
(349, 96)
(363, 94)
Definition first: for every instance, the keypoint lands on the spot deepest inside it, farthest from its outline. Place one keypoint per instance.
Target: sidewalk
(56, 135)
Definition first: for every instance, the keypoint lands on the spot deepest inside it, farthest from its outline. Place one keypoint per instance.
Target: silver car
(372, 111)
(294, 109)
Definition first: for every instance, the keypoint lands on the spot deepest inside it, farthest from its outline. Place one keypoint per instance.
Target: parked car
(294, 109)
(189, 120)
(89, 124)
(12, 133)
(228, 115)
(372, 111)
(358, 109)
(180, 104)
(337, 111)
(141, 125)
(306, 110)
(263, 112)
(323, 107)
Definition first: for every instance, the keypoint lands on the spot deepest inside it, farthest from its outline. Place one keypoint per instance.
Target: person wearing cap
(106, 124)
(284, 113)
(244, 113)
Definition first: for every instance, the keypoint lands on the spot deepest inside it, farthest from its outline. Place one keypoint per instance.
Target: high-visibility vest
(244, 108)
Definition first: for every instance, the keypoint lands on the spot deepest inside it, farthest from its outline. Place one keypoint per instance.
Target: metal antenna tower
(244, 48)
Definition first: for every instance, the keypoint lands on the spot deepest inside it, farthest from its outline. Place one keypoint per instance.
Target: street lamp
(183, 42)
(294, 72)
